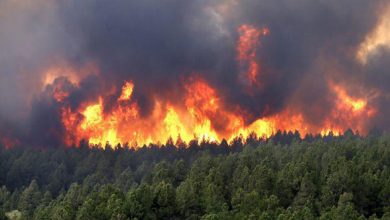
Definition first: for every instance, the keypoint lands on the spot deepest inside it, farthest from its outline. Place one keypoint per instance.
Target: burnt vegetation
(283, 177)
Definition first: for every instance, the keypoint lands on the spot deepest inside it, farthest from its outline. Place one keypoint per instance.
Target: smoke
(159, 44)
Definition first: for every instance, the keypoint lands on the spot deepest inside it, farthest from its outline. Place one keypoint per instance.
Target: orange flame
(349, 112)
(203, 116)
(346, 101)
(247, 45)
(127, 91)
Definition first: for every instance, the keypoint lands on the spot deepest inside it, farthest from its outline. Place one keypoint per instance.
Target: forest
(281, 177)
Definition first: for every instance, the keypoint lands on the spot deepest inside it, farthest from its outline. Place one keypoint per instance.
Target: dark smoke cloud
(157, 44)
(377, 77)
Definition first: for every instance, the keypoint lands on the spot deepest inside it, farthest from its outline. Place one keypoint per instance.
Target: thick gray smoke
(158, 43)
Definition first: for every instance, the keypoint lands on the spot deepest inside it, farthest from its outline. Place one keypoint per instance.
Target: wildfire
(124, 124)
(354, 104)
(247, 45)
(127, 91)
(203, 115)
(349, 112)
(93, 116)
(201, 112)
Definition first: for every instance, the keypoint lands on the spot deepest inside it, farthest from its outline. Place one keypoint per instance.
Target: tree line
(283, 177)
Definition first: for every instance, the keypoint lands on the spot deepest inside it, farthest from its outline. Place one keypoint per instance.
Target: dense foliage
(285, 177)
